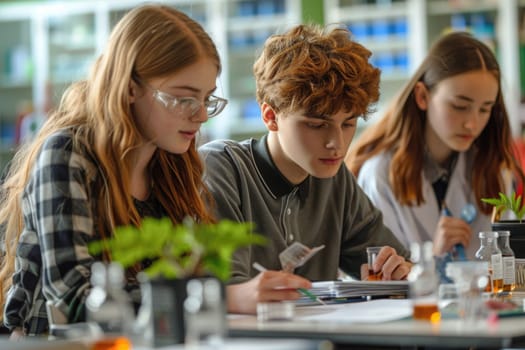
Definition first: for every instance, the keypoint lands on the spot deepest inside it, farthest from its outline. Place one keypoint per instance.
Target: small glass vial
(109, 306)
(423, 283)
(204, 314)
(508, 260)
(489, 251)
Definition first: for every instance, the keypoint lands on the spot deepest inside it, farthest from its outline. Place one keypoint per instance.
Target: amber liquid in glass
(116, 343)
(372, 276)
(494, 286)
(509, 287)
(488, 287)
(425, 312)
(497, 286)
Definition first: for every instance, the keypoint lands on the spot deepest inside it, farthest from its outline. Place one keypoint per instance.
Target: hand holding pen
(468, 214)
(303, 291)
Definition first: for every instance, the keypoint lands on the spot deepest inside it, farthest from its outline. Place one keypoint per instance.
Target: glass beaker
(470, 278)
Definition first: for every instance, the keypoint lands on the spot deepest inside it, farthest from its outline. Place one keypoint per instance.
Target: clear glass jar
(423, 283)
(489, 251)
(204, 314)
(109, 306)
(508, 261)
(470, 279)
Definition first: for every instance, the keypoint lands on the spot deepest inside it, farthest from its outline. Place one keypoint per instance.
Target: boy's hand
(391, 265)
(266, 286)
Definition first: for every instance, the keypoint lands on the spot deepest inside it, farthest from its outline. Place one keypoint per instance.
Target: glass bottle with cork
(489, 251)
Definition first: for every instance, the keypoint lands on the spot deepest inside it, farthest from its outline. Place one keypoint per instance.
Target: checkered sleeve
(52, 261)
(21, 307)
(62, 206)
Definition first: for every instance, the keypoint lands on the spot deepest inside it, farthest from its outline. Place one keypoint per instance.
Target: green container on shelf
(522, 70)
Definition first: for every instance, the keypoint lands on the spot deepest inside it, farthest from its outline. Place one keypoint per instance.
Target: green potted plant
(505, 203)
(178, 253)
(516, 226)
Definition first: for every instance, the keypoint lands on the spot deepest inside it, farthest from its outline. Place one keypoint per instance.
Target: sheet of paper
(374, 311)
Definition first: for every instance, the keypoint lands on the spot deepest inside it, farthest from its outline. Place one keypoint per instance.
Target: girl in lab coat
(445, 139)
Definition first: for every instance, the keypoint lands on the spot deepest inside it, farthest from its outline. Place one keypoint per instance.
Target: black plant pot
(167, 310)
(517, 235)
(167, 303)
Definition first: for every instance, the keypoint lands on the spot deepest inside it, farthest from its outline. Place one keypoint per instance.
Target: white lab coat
(419, 223)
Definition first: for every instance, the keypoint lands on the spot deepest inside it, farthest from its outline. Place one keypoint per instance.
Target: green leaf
(163, 268)
(179, 251)
(512, 203)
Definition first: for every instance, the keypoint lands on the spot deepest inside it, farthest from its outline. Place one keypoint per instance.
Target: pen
(303, 291)
(460, 250)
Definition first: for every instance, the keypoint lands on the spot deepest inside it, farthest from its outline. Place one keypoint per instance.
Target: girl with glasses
(119, 147)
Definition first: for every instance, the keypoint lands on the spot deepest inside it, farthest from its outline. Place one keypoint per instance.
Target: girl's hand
(451, 231)
(17, 334)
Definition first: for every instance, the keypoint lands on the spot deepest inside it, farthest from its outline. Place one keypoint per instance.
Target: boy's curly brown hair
(317, 71)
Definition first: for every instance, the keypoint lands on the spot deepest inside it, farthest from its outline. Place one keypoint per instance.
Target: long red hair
(150, 41)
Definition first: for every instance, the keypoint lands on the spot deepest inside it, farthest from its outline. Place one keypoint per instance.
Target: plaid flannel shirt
(52, 259)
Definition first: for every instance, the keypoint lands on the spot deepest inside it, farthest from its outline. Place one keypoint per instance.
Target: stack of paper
(327, 290)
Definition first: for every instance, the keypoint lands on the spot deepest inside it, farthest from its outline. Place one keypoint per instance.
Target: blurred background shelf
(46, 45)
(399, 33)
